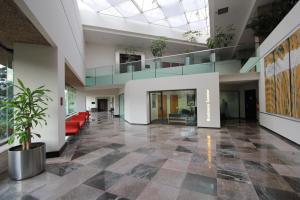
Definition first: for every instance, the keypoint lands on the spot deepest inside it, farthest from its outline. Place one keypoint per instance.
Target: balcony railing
(222, 60)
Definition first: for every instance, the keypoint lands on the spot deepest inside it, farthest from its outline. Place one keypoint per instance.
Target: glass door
(173, 107)
(157, 108)
(121, 105)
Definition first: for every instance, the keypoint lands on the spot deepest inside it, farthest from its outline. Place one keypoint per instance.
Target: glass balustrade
(226, 60)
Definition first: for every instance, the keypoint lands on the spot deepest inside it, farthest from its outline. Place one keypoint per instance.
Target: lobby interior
(149, 99)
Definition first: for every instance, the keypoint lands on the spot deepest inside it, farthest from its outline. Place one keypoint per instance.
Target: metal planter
(26, 164)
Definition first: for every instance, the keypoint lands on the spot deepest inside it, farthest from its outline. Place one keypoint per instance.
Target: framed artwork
(190, 99)
(282, 79)
(269, 68)
(295, 73)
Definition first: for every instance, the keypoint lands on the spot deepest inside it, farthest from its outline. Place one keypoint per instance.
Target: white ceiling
(240, 11)
(183, 15)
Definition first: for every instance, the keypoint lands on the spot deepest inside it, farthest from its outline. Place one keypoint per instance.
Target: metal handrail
(175, 55)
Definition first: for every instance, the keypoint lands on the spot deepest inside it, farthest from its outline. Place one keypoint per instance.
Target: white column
(38, 65)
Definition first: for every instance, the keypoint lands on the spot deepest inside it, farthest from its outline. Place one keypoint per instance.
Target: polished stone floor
(112, 159)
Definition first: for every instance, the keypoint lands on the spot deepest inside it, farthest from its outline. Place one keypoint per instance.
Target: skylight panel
(162, 23)
(154, 15)
(173, 10)
(190, 5)
(111, 11)
(166, 2)
(177, 21)
(196, 15)
(139, 18)
(113, 2)
(146, 5)
(185, 27)
(127, 9)
(97, 5)
(199, 25)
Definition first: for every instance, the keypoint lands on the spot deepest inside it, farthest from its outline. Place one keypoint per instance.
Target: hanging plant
(158, 46)
(223, 37)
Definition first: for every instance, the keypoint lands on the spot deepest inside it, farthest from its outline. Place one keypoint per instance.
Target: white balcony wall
(207, 87)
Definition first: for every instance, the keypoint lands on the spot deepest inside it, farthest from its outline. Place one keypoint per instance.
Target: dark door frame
(98, 108)
(254, 91)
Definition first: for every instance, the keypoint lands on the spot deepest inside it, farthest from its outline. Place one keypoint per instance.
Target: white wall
(98, 55)
(284, 126)
(89, 105)
(31, 64)
(59, 22)
(137, 97)
(80, 101)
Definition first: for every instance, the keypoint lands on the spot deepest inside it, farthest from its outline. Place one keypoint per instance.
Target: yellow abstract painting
(282, 79)
(295, 72)
(270, 83)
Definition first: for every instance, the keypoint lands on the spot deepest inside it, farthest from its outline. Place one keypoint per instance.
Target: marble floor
(111, 159)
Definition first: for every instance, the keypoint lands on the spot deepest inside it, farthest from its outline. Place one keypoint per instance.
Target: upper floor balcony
(228, 60)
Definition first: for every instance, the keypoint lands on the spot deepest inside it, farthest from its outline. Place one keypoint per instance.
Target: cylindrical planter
(26, 164)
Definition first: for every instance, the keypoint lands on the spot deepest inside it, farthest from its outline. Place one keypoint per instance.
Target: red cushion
(86, 114)
(72, 128)
(79, 119)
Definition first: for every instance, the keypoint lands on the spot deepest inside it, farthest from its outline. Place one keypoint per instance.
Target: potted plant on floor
(29, 106)
(158, 46)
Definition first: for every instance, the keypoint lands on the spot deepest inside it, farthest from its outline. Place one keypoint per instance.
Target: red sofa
(86, 114)
(80, 119)
(72, 128)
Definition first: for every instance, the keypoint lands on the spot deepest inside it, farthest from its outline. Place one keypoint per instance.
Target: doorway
(173, 107)
(121, 106)
(250, 104)
(102, 105)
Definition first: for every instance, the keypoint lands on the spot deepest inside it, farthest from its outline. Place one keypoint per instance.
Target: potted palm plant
(29, 106)
(158, 46)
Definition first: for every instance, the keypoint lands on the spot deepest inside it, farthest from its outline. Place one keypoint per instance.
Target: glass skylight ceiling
(182, 15)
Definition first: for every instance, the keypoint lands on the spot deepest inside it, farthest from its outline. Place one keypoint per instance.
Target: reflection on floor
(114, 160)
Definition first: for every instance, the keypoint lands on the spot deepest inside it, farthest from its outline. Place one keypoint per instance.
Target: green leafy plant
(223, 37)
(263, 23)
(29, 108)
(158, 46)
(192, 36)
